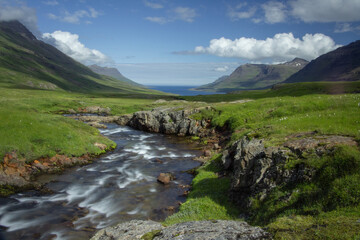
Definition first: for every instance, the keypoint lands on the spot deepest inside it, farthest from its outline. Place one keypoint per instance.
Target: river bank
(119, 186)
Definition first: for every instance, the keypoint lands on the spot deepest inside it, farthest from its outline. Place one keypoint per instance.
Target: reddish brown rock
(165, 178)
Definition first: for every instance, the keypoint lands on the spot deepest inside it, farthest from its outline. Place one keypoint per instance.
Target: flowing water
(117, 187)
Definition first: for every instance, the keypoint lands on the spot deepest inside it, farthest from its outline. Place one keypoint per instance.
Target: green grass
(275, 118)
(282, 90)
(328, 206)
(30, 125)
(208, 198)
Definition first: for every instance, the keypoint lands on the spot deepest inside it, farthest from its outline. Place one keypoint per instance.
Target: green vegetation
(282, 90)
(30, 125)
(208, 197)
(328, 206)
(32, 64)
(275, 118)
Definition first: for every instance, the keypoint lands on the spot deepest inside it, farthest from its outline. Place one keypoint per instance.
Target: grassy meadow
(328, 207)
(31, 125)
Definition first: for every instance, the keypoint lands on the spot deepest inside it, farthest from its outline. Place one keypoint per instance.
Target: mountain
(342, 64)
(26, 62)
(112, 72)
(255, 76)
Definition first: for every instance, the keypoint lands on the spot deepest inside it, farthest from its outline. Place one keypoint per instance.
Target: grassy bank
(31, 126)
(208, 198)
(327, 207)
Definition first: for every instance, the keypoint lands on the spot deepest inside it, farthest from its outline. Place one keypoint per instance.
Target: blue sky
(187, 42)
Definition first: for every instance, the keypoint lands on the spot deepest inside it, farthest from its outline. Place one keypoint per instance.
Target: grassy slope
(328, 207)
(28, 63)
(29, 125)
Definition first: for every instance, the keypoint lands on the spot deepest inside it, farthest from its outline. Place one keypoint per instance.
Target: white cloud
(221, 69)
(51, 2)
(69, 44)
(22, 13)
(177, 14)
(184, 14)
(346, 27)
(153, 5)
(283, 46)
(274, 12)
(76, 16)
(326, 11)
(160, 20)
(236, 14)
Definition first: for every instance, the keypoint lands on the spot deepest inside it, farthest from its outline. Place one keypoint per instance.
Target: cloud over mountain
(283, 46)
(21, 13)
(69, 44)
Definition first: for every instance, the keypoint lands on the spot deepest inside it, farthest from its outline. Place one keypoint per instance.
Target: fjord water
(182, 90)
(117, 187)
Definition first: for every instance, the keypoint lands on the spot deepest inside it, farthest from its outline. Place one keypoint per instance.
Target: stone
(216, 146)
(123, 120)
(71, 111)
(200, 230)
(207, 153)
(97, 125)
(134, 229)
(165, 178)
(166, 120)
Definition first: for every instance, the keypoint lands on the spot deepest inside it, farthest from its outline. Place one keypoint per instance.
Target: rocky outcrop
(158, 120)
(168, 121)
(200, 230)
(256, 170)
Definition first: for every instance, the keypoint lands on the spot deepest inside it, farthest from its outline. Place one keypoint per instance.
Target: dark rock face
(201, 230)
(256, 170)
(168, 121)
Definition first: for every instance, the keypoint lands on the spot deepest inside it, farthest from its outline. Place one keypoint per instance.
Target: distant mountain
(112, 72)
(255, 76)
(26, 62)
(342, 64)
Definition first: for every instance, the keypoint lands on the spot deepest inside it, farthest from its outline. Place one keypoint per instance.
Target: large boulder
(168, 121)
(256, 170)
(201, 230)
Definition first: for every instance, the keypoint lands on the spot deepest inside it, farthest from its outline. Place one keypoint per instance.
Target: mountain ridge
(112, 72)
(342, 64)
(255, 76)
(26, 62)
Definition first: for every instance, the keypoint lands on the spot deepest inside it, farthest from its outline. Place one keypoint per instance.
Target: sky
(187, 42)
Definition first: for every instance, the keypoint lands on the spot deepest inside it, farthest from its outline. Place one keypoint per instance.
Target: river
(119, 186)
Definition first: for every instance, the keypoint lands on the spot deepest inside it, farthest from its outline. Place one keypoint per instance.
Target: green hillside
(112, 72)
(26, 62)
(255, 76)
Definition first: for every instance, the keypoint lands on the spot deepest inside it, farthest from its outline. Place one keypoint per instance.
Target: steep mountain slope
(342, 64)
(112, 72)
(255, 76)
(26, 62)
